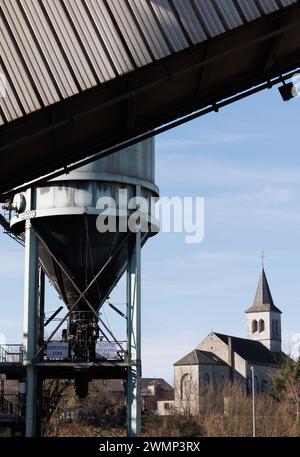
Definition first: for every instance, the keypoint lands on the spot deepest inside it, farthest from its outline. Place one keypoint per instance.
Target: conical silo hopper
(72, 250)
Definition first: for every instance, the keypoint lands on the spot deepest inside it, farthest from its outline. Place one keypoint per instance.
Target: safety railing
(111, 351)
(11, 406)
(11, 353)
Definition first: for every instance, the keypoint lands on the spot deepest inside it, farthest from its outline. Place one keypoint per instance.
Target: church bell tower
(264, 318)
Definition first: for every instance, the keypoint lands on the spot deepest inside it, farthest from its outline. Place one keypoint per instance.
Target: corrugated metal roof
(51, 50)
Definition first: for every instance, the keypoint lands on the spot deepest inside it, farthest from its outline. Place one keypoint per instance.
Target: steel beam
(31, 321)
(134, 336)
(41, 305)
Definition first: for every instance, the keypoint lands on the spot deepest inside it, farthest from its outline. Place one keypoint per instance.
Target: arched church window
(261, 325)
(273, 327)
(206, 379)
(277, 328)
(254, 326)
(185, 386)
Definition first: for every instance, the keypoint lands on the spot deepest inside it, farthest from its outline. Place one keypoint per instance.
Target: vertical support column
(40, 341)
(41, 305)
(253, 402)
(30, 334)
(134, 336)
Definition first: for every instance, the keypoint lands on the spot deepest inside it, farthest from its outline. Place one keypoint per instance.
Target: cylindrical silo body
(65, 218)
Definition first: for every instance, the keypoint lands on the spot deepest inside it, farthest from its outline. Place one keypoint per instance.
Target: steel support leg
(134, 336)
(31, 327)
(40, 342)
(41, 305)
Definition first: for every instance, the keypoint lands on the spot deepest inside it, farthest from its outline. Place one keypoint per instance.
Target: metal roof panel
(27, 46)
(268, 6)
(169, 23)
(49, 47)
(72, 47)
(286, 2)
(14, 67)
(109, 35)
(190, 21)
(229, 13)
(52, 50)
(249, 9)
(150, 28)
(95, 54)
(210, 17)
(130, 32)
(9, 104)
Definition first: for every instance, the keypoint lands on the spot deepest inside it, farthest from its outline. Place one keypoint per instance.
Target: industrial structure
(58, 222)
(84, 86)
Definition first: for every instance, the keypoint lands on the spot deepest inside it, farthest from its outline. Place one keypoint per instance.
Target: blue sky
(245, 162)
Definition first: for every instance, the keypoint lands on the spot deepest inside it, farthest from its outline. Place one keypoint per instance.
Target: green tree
(286, 389)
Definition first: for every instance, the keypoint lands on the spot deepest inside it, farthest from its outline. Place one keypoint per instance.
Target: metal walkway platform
(67, 370)
(11, 364)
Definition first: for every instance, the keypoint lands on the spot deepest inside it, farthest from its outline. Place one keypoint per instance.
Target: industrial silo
(72, 251)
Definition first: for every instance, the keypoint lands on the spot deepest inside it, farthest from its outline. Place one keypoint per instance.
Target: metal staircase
(12, 414)
(12, 411)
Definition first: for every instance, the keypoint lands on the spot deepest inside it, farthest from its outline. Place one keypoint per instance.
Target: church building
(222, 357)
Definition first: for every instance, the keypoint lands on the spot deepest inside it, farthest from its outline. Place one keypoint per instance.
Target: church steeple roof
(263, 299)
